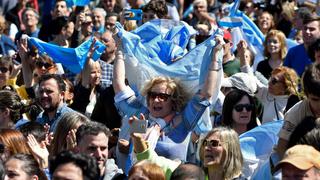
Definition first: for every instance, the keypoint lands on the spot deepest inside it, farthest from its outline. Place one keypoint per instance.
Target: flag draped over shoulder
(244, 28)
(257, 145)
(153, 49)
(71, 58)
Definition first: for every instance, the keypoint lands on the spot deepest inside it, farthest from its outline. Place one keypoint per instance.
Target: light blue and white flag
(244, 28)
(257, 145)
(72, 58)
(153, 48)
(71, 3)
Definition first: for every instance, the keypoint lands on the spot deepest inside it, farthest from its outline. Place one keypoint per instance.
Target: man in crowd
(92, 139)
(51, 98)
(297, 57)
(60, 10)
(99, 16)
(68, 165)
(300, 162)
(30, 19)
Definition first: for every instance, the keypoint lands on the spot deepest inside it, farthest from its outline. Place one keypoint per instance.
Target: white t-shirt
(293, 117)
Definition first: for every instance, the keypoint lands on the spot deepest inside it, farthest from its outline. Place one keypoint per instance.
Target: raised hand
(39, 151)
(71, 139)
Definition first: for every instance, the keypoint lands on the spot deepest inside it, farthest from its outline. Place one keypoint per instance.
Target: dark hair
(59, 24)
(12, 101)
(86, 163)
(34, 128)
(6, 61)
(30, 165)
(312, 50)
(311, 80)
(230, 101)
(110, 14)
(310, 18)
(159, 7)
(58, 78)
(188, 171)
(91, 128)
(303, 128)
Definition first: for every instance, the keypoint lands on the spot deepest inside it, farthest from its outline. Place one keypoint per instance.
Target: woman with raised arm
(283, 82)
(169, 110)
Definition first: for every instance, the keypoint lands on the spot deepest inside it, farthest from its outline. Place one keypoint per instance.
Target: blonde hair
(179, 96)
(291, 79)
(282, 39)
(233, 161)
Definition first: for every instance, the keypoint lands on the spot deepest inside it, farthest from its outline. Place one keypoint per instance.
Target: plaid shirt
(106, 73)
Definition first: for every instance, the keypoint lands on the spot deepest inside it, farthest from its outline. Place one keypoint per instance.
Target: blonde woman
(221, 154)
(275, 50)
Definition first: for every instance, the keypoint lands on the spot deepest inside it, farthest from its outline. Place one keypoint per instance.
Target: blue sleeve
(194, 111)
(129, 103)
(287, 60)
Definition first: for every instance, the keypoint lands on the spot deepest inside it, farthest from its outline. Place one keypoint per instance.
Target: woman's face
(160, 104)
(265, 22)
(4, 75)
(241, 112)
(277, 84)
(214, 153)
(273, 45)
(95, 74)
(43, 67)
(14, 170)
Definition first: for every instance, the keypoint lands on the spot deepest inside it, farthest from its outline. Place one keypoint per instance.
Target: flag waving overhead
(244, 28)
(153, 49)
(72, 58)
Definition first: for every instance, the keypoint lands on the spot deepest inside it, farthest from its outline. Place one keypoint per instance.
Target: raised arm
(85, 73)
(26, 68)
(119, 70)
(212, 83)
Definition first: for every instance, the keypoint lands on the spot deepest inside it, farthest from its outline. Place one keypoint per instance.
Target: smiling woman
(170, 110)
(221, 154)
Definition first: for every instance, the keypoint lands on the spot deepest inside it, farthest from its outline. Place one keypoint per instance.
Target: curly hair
(291, 79)
(179, 97)
(159, 7)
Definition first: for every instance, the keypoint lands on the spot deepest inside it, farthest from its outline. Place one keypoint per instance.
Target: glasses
(211, 143)
(239, 107)
(4, 69)
(160, 96)
(41, 64)
(274, 81)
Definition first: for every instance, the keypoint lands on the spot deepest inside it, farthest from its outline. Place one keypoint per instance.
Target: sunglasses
(41, 64)
(4, 69)
(239, 107)
(160, 96)
(274, 81)
(211, 143)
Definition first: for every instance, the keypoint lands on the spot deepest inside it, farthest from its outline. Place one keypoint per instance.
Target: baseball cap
(302, 157)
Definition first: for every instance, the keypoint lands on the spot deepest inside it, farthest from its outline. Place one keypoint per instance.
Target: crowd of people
(56, 123)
